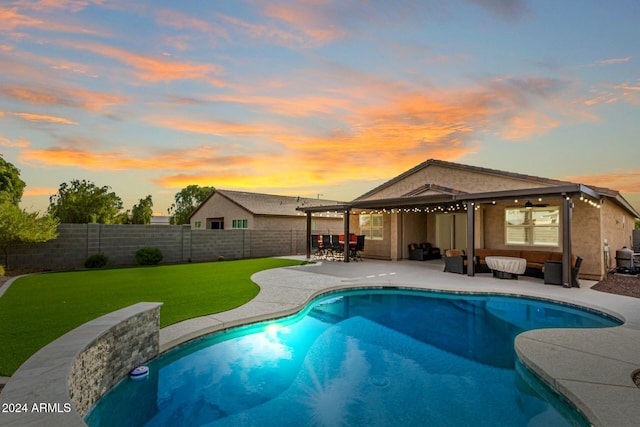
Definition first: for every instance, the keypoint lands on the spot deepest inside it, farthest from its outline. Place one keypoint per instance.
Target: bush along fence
(177, 244)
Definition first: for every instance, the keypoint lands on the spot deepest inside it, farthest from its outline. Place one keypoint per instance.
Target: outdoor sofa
(545, 265)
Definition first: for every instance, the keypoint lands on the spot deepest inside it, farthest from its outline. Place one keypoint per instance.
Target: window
(533, 226)
(198, 224)
(217, 223)
(240, 223)
(371, 226)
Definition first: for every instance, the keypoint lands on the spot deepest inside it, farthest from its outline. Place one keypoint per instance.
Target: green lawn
(39, 308)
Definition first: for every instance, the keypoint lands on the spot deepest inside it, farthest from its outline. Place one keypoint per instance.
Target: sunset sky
(309, 97)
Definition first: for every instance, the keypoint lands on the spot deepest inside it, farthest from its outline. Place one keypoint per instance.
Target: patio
(593, 368)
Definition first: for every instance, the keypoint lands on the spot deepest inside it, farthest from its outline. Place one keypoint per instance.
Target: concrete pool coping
(592, 368)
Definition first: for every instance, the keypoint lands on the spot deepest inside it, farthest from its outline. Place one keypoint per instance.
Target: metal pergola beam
(564, 192)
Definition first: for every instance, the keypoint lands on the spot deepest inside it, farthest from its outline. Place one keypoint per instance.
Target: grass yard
(39, 308)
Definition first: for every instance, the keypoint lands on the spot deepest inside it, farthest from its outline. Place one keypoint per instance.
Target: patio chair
(325, 247)
(354, 252)
(553, 272)
(315, 245)
(455, 261)
(336, 248)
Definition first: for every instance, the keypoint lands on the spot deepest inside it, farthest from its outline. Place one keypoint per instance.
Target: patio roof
(411, 201)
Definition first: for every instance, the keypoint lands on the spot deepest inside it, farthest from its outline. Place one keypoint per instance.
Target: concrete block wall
(178, 244)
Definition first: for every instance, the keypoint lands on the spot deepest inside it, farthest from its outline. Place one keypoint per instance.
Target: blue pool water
(357, 358)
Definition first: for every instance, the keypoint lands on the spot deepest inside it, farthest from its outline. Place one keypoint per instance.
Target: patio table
(506, 267)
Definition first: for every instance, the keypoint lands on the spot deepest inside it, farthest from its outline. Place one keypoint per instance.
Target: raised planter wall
(70, 374)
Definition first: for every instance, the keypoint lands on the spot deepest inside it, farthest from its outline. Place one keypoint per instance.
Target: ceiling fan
(529, 205)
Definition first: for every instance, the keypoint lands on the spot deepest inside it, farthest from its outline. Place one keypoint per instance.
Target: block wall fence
(178, 244)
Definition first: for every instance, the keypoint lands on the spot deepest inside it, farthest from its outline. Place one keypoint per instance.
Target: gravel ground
(619, 284)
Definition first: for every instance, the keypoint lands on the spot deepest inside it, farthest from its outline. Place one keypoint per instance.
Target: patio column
(567, 207)
(346, 235)
(308, 237)
(471, 238)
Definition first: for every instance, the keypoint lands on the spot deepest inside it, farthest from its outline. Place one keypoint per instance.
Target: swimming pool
(365, 357)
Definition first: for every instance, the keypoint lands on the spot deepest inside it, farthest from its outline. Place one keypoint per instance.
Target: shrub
(1, 270)
(148, 256)
(220, 258)
(96, 261)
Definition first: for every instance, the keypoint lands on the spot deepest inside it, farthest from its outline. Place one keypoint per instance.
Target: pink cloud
(316, 23)
(261, 31)
(614, 60)
(181, 21)
(48, 5)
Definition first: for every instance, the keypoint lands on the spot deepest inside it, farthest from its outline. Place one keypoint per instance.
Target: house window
(198, 224)
(371, 226)
(240, 223)
(533, 226)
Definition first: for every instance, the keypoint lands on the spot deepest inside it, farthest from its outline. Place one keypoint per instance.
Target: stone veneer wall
(112, 356)
(71, 373)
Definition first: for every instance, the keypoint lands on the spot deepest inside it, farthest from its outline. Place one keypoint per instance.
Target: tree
(123, 218)
(82, 202)
(142, 212)
(187, 200)
(11, 186)
(18, 226)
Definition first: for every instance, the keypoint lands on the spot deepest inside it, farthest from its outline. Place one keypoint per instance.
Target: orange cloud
(289, 106)
(203, 158)
(625, 181)
(153, 70)
(404, 124)
(527, 125)
(11, 19)
(71, 97)
(44, 118)
(39, 191)
(19, 143)
(213, 127)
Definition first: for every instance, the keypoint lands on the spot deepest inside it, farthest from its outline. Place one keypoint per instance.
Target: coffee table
(506, 267)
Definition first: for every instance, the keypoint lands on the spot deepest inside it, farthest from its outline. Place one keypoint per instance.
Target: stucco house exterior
(452, 205)
(233, 210)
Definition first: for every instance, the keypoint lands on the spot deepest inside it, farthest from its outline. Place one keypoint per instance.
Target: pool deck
(593, 368)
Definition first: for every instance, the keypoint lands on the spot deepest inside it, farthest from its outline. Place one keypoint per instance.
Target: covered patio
(470, 204)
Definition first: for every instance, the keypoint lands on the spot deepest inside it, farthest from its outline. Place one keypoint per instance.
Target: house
(226, 210)
(452, 205)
